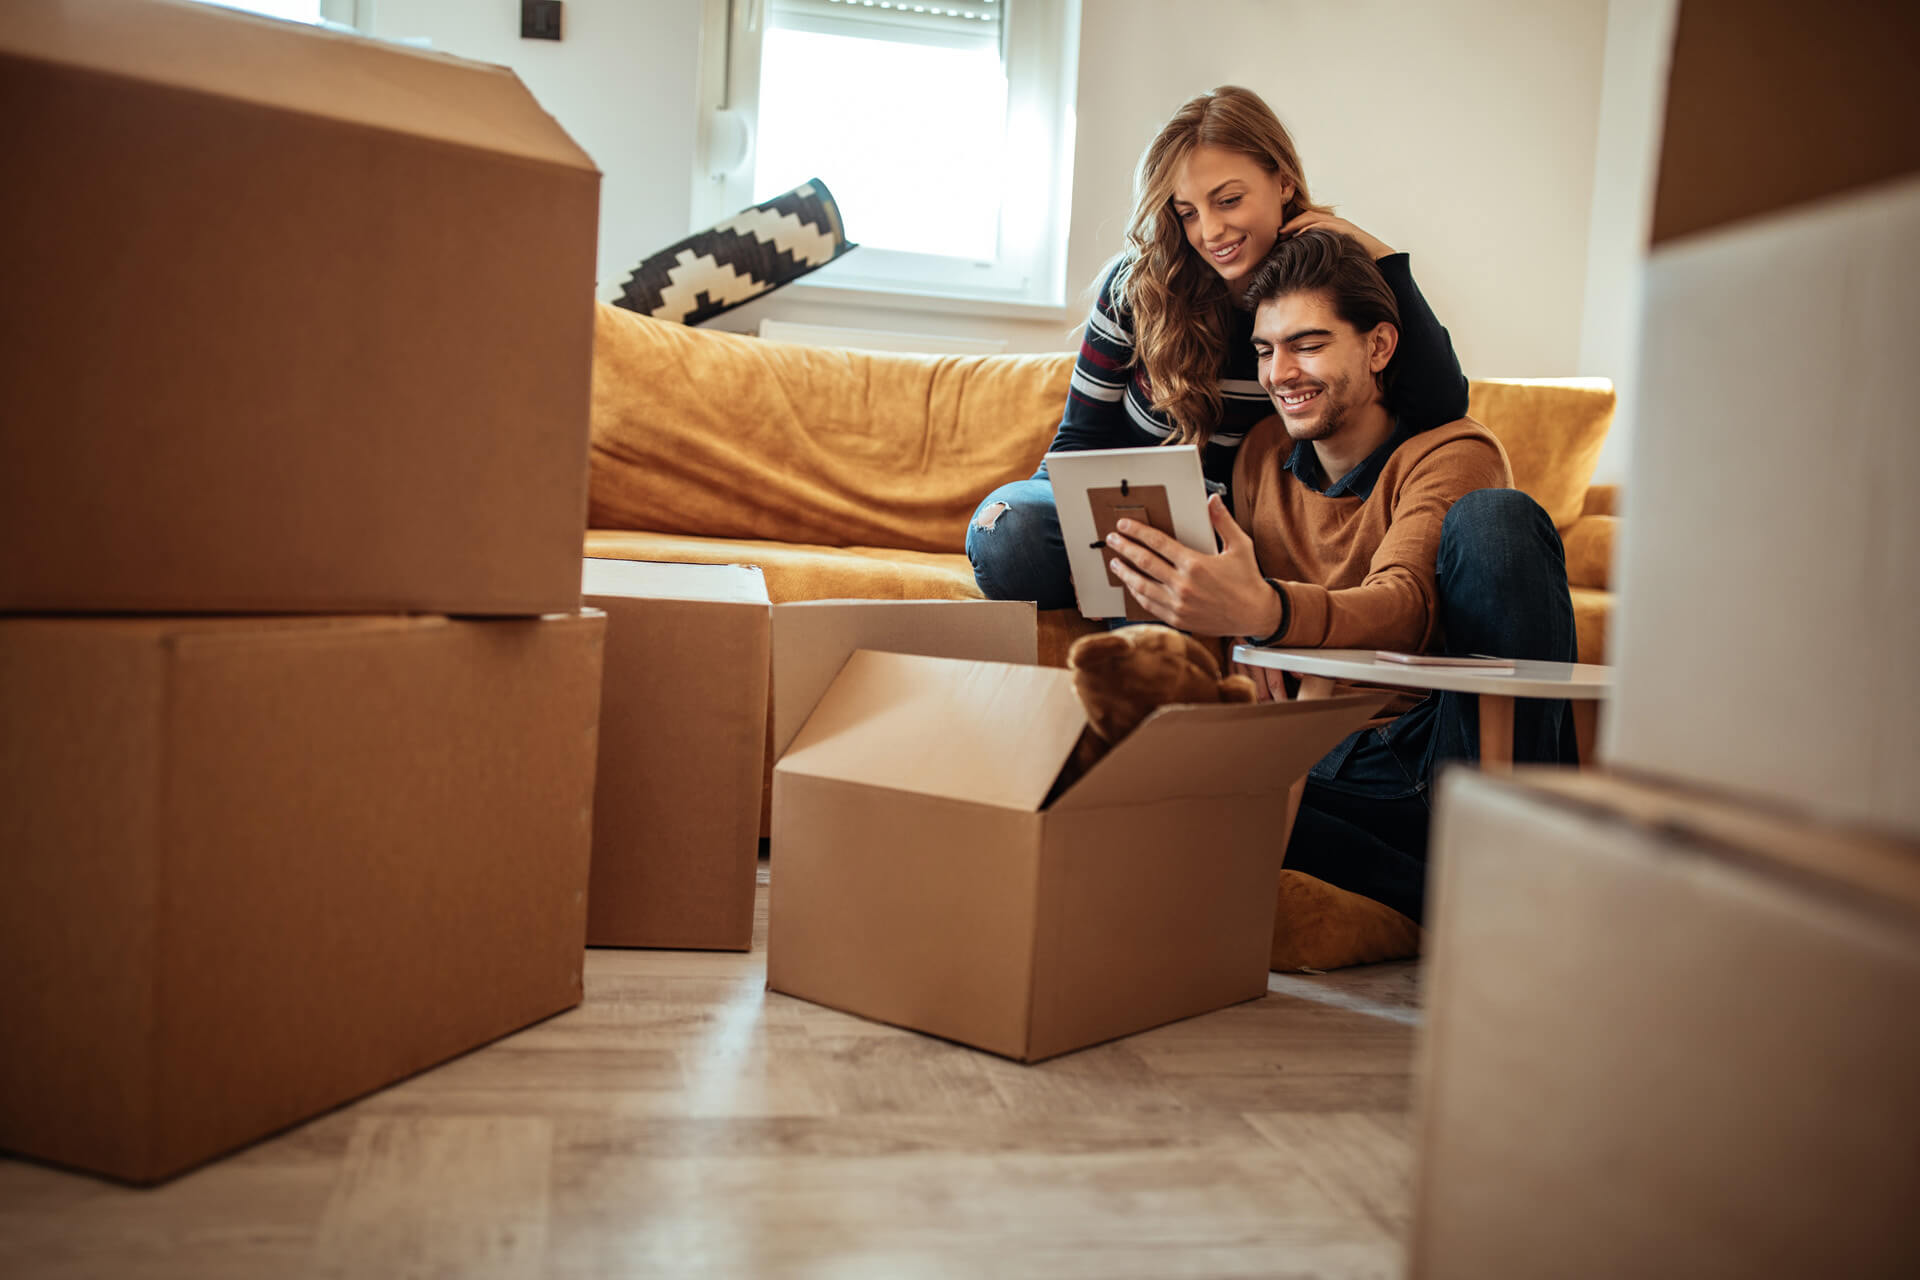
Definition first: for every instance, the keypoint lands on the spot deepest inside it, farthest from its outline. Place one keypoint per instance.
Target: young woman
(1167, 355)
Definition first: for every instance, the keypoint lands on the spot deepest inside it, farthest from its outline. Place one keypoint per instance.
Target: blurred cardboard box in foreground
(1668, 1034)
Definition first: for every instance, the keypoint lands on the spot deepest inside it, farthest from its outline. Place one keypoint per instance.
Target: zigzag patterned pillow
(754, 252)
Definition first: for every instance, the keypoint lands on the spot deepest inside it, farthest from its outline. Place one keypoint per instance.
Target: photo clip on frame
(1147, 504)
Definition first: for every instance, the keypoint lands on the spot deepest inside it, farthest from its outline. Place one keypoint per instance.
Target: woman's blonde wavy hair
(1179, 302)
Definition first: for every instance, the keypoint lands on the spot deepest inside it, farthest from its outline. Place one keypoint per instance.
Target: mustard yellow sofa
(852, 474)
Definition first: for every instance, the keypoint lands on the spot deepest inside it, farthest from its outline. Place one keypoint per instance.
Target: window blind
(950, 23)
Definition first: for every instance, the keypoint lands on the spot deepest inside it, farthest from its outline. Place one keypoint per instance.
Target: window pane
(909, 137)
(297, 10)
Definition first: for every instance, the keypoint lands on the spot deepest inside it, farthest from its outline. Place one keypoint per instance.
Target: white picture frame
(1176, 468)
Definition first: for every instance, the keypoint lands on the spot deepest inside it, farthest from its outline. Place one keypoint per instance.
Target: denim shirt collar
(1359, 482)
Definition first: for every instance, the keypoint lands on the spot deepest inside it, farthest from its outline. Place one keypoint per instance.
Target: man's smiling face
(1315, 367)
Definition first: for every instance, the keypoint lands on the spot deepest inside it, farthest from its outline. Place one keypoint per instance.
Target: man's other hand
(1209, 594)
(1269, 683)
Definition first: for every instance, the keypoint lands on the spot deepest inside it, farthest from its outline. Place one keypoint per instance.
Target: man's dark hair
(1319, 260)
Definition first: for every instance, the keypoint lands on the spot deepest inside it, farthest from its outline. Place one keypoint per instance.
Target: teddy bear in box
(1122, 677)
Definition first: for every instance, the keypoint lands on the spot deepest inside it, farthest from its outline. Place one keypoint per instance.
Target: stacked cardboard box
(296, 349)
(294, 322)
(1671, 1025)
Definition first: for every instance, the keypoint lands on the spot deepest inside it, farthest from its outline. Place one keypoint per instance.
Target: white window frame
(1041, 43)
(357, 14)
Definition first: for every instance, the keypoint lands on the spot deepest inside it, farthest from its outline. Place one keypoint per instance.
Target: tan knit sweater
(1359, 572)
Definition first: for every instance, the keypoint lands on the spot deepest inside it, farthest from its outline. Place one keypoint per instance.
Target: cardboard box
(921, 878)
(1753, 80)
(1666, 1036)
(1768, 614)
(294, 321)
(685, 719)
(257, 867)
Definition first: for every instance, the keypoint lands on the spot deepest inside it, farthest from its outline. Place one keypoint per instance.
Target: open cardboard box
(922, 878)
(700, 671)
(251, 868)
(1669, 1033)
(295, 321)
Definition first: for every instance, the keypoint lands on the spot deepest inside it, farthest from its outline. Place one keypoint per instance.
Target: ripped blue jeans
(1017, 551)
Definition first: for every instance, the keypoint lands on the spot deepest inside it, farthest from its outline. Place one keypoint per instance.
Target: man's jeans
(1502, 580)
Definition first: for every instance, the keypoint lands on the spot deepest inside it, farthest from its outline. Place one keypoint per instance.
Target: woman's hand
(1376, 248)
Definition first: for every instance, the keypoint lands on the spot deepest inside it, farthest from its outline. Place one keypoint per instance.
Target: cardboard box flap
(1216, 750)
(990, 733)
(812, 640)
(653, 580)
(290, 66)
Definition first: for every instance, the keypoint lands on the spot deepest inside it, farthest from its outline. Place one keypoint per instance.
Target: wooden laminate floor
(686, 1122)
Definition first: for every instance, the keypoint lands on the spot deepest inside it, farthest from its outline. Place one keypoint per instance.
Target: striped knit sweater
(1110, 407)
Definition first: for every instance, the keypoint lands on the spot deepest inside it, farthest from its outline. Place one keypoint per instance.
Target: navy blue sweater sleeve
(1096, 412)
(1428, 386)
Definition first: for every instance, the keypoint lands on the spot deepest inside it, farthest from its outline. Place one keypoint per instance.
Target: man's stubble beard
(1334, 394)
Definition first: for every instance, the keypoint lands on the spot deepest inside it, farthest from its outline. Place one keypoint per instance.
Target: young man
(1354, 532)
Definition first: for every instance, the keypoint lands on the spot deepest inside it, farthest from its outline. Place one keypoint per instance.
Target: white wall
(1463, 132)
(621, 83)
(1626, 160)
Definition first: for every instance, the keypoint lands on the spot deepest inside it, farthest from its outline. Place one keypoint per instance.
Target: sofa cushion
(797, 571)
(1552, 429)
(1590, 609)
(731, 437)
(1589, 543)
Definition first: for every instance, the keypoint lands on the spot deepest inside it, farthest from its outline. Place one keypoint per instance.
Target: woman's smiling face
(1230, 207)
